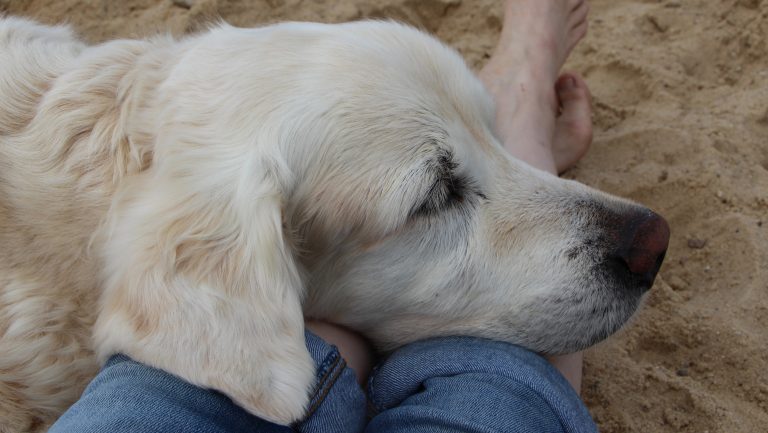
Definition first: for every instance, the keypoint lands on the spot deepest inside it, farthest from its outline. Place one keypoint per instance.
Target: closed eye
(444, 193)
(448, 191)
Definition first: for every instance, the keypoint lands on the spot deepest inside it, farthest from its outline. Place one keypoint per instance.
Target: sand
(681, 115)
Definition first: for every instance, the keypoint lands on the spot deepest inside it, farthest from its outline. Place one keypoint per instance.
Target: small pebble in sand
(658, 22)
(696, 243)
(682, 372)
(677, 283)
(185, 3)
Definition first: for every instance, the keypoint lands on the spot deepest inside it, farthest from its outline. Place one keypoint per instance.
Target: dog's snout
(644, 238)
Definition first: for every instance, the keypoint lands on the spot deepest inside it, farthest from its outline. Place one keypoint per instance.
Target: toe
(579, 15)
(576, 102)
(578, 33)
(573, 130)
(575, 4)
(578, 24)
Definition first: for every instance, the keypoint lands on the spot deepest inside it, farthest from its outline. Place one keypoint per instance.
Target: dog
(188, 202)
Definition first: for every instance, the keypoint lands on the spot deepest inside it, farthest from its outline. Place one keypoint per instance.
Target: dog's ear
(202, 282)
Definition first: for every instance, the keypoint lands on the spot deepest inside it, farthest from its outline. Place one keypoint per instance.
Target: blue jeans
(455, 384)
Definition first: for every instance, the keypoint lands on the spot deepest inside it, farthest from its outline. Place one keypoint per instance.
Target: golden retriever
(188, 202)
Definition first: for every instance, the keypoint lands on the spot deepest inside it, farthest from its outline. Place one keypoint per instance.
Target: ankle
(534, 154)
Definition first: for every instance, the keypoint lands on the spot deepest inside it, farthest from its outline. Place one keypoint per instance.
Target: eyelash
(454, 189)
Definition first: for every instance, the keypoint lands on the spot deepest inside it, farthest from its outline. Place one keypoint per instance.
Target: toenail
(567, 83)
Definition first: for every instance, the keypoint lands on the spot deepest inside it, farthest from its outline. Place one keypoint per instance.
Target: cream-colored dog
(188, 202)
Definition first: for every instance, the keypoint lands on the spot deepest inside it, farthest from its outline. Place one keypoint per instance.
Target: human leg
(536, 39)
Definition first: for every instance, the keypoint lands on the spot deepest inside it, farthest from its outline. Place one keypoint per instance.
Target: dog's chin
(571, 324)
(608, 319)
(586, 320)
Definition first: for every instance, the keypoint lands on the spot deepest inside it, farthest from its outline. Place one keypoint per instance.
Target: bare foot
(537, 37)
(572, 133)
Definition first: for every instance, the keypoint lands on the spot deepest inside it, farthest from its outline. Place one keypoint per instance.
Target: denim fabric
(127, 396)
(442, 385)
(462, 384)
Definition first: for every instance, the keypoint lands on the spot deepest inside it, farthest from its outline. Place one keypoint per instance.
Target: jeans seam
(373, 407)
(326, 384)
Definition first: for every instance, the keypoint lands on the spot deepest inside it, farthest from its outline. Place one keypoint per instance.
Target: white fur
(184, 201)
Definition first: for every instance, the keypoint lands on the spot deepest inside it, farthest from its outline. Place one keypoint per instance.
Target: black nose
(644, 240)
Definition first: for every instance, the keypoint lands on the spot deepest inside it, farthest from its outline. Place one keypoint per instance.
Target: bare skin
(536, 39)
(547, 126)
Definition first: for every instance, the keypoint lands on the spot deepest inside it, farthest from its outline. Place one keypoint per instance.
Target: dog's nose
(648, 237)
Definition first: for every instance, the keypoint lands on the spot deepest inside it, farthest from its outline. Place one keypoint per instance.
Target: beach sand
(681, 115)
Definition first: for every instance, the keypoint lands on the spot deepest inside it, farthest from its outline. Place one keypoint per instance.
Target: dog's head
(354, 166)
(413, 221)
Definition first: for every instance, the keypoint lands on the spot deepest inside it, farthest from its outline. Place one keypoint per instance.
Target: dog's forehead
(454, 140)
(435, 118)
(398, 99)
(451, 138)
